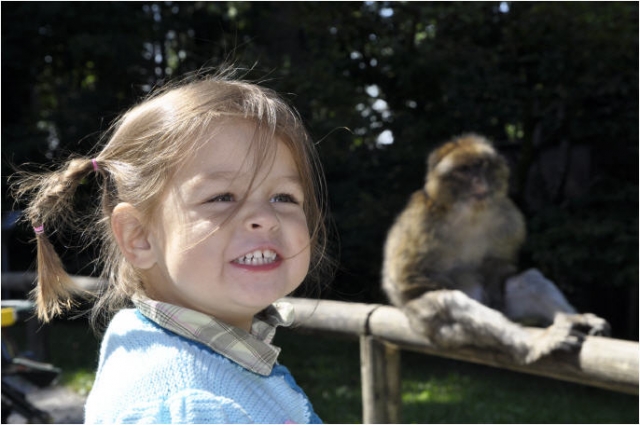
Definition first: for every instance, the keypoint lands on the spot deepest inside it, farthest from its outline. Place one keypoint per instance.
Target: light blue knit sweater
(147, 374)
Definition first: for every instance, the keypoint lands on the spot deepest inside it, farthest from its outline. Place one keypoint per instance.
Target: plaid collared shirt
(253, 351)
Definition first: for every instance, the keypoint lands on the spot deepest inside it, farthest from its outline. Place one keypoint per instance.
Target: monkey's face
(472, 173)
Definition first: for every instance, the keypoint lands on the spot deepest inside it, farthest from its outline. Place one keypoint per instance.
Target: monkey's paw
(561, 335)
(587, 323)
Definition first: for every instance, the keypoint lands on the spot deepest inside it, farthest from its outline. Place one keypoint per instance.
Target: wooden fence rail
(384, 331)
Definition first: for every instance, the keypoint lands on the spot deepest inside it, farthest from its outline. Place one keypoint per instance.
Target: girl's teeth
(258, 257)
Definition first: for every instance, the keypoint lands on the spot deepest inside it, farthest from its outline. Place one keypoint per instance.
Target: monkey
(450, 262)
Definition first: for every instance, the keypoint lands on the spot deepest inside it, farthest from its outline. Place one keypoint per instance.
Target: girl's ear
(131, 236)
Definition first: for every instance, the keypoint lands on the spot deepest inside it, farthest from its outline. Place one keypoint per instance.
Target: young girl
(212, 210)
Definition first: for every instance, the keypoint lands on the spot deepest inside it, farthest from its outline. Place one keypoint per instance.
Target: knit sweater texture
(147, 374)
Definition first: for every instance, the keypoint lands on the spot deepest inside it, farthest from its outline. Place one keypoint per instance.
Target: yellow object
(8, 316)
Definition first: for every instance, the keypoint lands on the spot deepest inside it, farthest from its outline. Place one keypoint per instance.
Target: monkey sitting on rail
(450, 262)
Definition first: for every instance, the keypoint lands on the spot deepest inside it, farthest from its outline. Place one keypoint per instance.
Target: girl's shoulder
(128, 319)
(133, 335)
(129, 326)
(136, 347)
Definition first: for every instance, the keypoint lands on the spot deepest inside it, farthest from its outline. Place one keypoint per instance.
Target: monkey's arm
(415, 284)
(451, 319)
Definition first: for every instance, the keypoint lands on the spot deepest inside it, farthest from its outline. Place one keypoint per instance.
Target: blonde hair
(144, 148)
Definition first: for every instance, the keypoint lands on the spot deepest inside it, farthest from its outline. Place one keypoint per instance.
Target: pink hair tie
(95, 164)
(39, 230)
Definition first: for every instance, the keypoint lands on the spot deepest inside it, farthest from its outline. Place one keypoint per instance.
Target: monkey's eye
(464, 170)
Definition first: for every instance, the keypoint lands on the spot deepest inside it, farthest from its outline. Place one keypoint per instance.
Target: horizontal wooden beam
(602, 362)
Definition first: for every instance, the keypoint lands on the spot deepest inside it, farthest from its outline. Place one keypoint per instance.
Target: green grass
(446, 391)
(434, 390)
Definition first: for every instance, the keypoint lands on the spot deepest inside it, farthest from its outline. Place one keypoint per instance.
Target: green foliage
(581, 242)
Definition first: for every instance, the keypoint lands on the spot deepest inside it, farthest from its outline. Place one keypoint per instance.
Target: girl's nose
(261, 216)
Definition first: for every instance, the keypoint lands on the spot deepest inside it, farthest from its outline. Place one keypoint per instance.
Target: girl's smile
(259, 260)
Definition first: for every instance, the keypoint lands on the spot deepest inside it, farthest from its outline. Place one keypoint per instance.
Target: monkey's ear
(432, 161)
(439, 153)
(131, 236)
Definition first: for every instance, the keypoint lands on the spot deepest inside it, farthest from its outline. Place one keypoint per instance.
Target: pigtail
(49, 200)
(54, 291)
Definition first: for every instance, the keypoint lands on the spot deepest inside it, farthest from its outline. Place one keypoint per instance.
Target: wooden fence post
(380, 374)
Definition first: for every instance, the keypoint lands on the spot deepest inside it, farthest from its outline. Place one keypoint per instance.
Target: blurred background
(379, 84)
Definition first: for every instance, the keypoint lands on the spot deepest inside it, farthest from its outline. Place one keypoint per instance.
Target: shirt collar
(253, 351)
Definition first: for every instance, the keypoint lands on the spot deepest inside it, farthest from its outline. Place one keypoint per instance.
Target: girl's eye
(225, 197)
(284, 197)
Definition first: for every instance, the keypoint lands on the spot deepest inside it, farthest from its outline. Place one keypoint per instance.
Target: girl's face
(230, 266)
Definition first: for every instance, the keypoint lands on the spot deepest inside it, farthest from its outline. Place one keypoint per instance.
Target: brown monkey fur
(450, 261)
